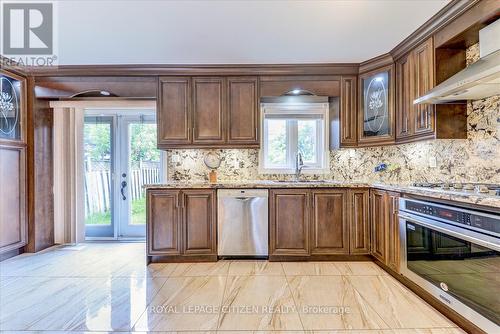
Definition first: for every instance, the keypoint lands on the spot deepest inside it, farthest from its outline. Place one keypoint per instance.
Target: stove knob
(458, 186)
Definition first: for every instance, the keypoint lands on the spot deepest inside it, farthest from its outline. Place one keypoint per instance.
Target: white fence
(98, 187)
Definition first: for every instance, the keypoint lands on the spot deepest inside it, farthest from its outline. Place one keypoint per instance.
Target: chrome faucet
(299, 164)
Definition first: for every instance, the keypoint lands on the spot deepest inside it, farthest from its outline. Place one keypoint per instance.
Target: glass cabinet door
(376, 121)
(11, 104)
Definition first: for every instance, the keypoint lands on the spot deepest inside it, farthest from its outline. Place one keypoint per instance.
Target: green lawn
(138, 214)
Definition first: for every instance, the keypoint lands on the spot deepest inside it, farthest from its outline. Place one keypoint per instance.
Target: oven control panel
(486, 222)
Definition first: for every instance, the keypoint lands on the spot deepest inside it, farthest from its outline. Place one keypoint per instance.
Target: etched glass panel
(376, 105)
(10, 108)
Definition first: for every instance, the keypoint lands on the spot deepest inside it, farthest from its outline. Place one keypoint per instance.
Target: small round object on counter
(212, 160)
(481, 188)
(469, 186)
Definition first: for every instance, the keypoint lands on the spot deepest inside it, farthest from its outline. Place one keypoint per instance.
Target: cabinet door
(393, 231)
(163, 222)
(359, 222)
(329, 230)
(243, 111)
(404, 97)
(198, 219)
(424, 81)
(208, 110)
(376, 107)
(289, 222)
(379, 221)
(348, 111)
(174, 111)
(13, 204)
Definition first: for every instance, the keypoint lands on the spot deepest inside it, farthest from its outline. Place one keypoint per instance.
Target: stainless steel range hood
(479, 80)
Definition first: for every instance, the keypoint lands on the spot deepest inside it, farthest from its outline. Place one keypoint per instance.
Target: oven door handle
(455, 231)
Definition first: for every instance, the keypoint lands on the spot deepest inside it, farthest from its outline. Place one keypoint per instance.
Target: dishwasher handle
(241, 194)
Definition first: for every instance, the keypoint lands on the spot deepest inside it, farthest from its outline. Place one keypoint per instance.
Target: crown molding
(196, 69)
(446, 15)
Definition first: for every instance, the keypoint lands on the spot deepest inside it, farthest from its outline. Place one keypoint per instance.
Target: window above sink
(290, 128)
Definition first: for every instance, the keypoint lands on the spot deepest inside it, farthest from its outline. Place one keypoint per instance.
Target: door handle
(122, 188)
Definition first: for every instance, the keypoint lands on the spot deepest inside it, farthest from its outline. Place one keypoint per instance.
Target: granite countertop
(450, 195)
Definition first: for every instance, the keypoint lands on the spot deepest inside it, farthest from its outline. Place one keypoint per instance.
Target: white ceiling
(225, 32)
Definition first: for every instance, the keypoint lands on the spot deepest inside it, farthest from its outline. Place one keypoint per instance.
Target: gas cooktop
(471, 188)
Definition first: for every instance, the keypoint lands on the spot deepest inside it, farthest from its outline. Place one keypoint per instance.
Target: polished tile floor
(103, 287)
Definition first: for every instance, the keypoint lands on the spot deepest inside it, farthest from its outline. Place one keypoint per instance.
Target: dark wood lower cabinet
(385, 228)
(378, 224)
(289, 222)
(359, 221)
(303, 224)
(318, 223)
(329, 228)
(393, 249)
(163, 219)
(181, 224)
(199, 222)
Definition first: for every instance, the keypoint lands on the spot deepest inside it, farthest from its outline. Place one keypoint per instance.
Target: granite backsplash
(475, 159)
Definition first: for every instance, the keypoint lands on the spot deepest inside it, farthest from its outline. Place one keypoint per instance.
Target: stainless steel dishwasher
(242, 222)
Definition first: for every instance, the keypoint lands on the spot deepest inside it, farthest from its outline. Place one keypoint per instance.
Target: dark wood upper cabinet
(199, 222)
(359, 221)
(174, 111)
(414, 77)
(289, 222)
(424, 117)
(329, 228)
(208, 110)
(404, 97)
(378, 225)
(163, 227)
(376, 107)
(348, 111)
(243, 110)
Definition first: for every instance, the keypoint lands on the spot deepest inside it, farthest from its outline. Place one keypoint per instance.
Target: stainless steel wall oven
(454, 253)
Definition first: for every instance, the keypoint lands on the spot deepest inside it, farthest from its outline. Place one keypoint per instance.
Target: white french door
(121, 156)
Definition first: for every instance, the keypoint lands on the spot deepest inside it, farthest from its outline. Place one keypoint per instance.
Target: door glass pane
(307, 140)
(98, 166)
(10, 108)
(276, 145)
(376, 105)
(145, 167)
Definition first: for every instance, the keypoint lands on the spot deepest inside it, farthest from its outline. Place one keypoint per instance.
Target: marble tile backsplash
(475, 159)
